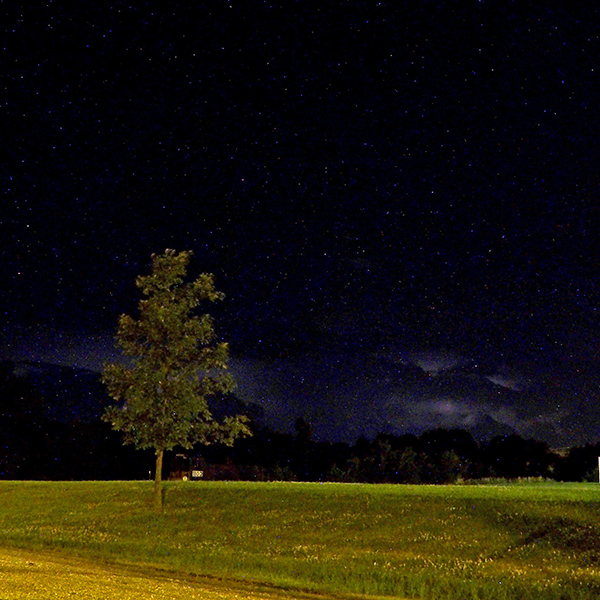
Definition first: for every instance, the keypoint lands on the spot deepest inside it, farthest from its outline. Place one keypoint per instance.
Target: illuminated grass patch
(457, 542)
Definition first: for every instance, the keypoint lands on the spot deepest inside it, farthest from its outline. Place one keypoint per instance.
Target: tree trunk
(158, 496)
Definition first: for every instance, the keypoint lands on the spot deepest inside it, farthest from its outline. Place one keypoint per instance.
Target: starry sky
(399, 199)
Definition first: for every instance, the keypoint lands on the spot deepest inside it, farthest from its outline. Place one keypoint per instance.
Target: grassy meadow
(518, 541)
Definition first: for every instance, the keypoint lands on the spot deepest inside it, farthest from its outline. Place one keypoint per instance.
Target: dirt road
(26, 575)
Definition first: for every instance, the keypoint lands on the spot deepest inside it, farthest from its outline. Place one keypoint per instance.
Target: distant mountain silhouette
(70, 393)
(346, 398)
(488, 428)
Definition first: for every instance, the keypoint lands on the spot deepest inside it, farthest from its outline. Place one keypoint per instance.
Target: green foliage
(176, 364)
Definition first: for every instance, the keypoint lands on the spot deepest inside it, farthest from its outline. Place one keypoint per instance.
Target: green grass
(487, 542)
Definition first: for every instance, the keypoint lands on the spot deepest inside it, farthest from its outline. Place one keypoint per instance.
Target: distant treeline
(38, 443)
(436, 456)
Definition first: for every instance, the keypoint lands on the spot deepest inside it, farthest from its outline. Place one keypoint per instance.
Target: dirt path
(26, 575)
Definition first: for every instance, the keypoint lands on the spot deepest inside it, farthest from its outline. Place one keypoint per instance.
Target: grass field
(489, 542)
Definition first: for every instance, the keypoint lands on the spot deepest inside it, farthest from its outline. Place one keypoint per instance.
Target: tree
(512, 456)
(176, 365)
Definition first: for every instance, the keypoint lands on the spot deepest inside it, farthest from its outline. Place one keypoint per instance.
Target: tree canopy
(175, 365)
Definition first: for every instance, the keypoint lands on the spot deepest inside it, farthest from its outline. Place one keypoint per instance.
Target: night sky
(399, 200)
